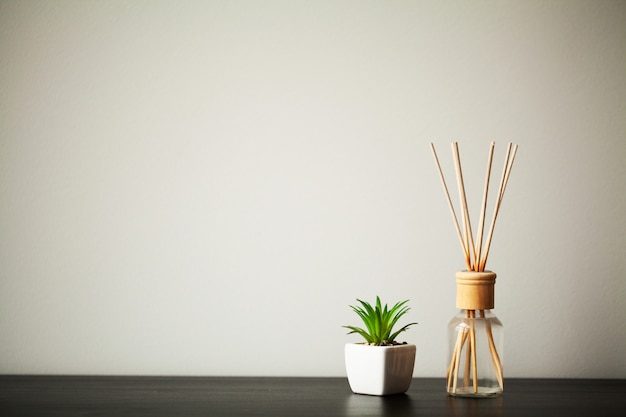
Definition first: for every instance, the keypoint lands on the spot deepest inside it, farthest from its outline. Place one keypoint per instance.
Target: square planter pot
(379, 370)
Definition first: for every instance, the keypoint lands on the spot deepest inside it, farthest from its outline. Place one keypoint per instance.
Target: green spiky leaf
(379, 321)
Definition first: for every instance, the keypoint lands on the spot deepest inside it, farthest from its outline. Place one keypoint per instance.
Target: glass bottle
(475, 339)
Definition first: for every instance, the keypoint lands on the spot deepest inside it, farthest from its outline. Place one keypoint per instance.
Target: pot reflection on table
(397, 405)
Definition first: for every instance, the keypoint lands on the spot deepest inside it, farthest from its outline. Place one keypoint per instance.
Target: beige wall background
(203, 187)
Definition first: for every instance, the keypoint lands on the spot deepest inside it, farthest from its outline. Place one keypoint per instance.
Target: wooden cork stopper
(475, 290)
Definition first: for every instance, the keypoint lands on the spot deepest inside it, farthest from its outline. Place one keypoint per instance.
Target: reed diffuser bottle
(475, 334)
(475, 339)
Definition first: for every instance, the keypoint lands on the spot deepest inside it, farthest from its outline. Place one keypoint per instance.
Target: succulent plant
(379, 322)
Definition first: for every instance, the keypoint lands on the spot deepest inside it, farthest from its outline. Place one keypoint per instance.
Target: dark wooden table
(277, 397)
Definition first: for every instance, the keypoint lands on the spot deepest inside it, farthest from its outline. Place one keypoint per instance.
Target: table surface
(277, 397)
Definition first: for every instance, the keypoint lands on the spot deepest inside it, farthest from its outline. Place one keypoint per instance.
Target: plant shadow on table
(388, 406)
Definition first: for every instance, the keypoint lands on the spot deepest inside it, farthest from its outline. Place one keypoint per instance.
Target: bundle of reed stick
(473, 249)
(475, 253)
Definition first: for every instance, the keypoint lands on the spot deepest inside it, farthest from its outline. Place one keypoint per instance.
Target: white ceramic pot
(379, 370)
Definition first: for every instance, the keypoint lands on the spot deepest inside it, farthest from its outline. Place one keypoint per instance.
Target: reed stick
(508, 173)
(481, 221)
(463, 334)
(467, 226)
(508, 165)
(451, 368)
(468, 357)
(473, 347)
(454, 218)
(495, 358)
(457, 362)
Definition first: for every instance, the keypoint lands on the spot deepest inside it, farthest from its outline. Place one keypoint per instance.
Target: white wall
(201, 188)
